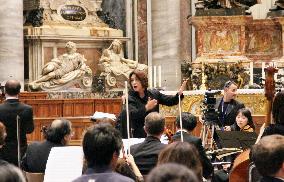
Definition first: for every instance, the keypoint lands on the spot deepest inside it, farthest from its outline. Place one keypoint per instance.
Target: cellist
(278, 116)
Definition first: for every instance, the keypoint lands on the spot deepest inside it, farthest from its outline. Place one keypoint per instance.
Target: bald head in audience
(60, 131)
(12, 88)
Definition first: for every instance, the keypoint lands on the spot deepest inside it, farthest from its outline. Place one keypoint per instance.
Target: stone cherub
(115, 68)
(64, 71)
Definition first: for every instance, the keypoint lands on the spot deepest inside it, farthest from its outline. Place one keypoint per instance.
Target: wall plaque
(73, 13)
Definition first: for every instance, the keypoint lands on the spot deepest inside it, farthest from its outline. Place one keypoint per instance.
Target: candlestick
(155, 76)
(160, 76)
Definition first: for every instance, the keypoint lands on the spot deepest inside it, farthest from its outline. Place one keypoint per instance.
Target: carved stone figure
(214, 75)
(116, 68)
(228, 4)
(65, 71)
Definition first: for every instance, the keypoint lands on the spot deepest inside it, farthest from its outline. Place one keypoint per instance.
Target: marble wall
(116, 10)
(11, 41)
(169, 37)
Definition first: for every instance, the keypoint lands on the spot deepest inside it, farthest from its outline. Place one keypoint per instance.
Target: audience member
(142, 101)
(123, 168)
(57, 135)
(189, 123)
(101, 145)
(278, 116)
(146, 153)
(268, 157)
(3, 135)
(10, 173)
(104, 120)
(127, 167)
(9, 111)
(171, 172)
(182, 153)
(244, 121)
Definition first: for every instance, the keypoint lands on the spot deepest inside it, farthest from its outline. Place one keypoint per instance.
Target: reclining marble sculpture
(65, 71)
(115, 68)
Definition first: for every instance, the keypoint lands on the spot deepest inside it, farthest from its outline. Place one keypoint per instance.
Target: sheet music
(64, 164)
(131, 141)
(101, 115)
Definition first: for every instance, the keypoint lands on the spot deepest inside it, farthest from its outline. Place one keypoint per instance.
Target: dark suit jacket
(137, 110)
(270, 179)
(274, 129)
(206, 164)
(36, 156)
(146, 153)
(104, 174)
(230, 114)
(8, 114)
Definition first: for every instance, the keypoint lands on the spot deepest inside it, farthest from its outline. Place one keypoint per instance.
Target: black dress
(137, 111)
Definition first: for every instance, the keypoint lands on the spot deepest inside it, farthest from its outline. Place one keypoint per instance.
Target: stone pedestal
(50, 24)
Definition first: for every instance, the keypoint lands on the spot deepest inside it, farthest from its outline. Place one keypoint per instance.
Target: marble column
(166, 41)
(11, 41)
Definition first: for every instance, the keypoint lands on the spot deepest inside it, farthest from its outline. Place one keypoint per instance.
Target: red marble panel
(263, 40)
(47, 54)
(92, 55)
(142, 32)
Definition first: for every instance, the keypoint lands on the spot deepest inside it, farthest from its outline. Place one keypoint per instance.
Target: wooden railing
(78, 111)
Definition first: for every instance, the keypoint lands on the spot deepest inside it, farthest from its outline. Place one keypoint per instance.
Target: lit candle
(155, 76)
(251, 72)
(150, 80)
(160, 76)
(275, 74)
(262, 70)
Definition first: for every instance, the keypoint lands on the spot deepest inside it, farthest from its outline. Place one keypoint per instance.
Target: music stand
(236, 139)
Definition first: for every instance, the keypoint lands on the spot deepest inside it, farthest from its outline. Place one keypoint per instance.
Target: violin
(169, 133)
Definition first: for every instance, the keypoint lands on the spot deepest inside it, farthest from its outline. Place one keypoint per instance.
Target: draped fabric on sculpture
(64, 71)
(114, 64)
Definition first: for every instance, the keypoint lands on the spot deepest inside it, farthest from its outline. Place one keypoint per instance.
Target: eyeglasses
(228, 84)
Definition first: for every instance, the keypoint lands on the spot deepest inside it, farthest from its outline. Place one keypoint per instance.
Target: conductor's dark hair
(12, 87)
(100, 142)
(278, 108)
(189, 121)
(57, 131)
(142, 77)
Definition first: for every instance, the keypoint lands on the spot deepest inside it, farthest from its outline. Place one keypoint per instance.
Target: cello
(239, 172)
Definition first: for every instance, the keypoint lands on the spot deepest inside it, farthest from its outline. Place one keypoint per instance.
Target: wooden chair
(34, 177)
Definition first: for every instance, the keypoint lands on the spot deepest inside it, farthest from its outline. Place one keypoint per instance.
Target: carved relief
(263, 42)
(221, 41)
(214, 75)
(72, 12)
(191, 103)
